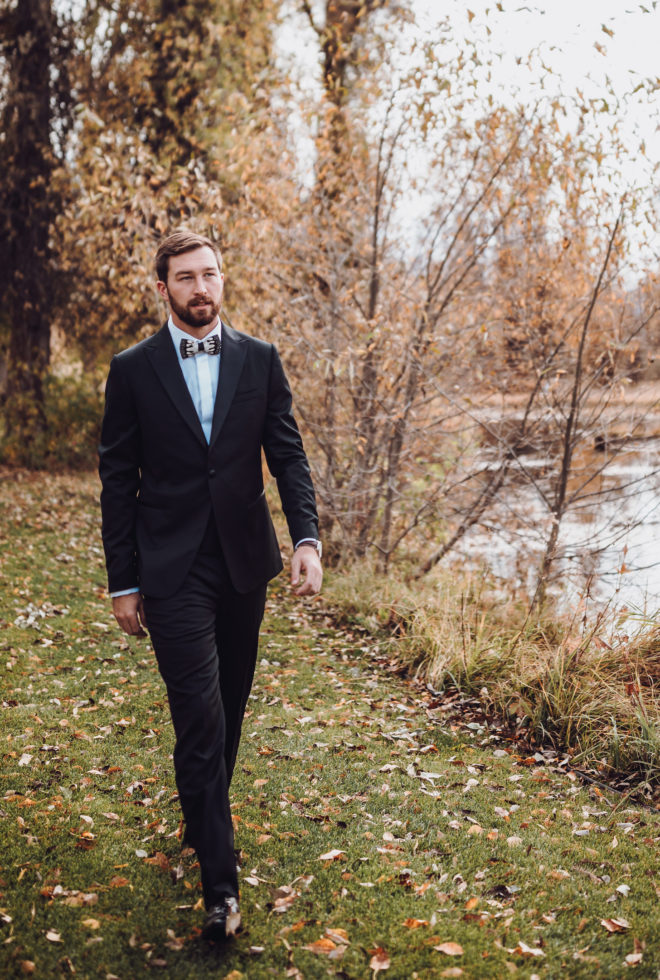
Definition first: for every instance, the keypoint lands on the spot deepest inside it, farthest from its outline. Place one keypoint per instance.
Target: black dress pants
(205, 638)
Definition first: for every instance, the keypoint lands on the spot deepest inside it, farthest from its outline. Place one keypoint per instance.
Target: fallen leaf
(524, 950)
(160, 860)
(450, 949)
(379, 959)
(53, 937)
(615, 925)
(415, 923)
(322, 946)
(333, 855)
(284, 898)
(91, 923)
(632, 959)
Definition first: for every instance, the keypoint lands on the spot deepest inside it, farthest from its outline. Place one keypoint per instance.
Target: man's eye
(210, 275)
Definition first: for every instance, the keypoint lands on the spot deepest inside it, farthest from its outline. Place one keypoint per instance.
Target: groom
(188, 536)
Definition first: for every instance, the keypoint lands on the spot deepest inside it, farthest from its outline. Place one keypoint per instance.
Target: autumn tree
(376, 321)
(168, 93)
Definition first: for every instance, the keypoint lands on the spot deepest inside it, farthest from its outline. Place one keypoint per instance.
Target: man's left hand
(306, 570)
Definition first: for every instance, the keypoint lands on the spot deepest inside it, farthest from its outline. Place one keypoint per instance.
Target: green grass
(445, 834)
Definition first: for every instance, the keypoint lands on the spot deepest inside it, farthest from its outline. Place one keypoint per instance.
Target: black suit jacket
(161, 479)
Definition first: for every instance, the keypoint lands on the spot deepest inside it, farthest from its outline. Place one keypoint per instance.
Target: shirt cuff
(113, 595)
(303, 540)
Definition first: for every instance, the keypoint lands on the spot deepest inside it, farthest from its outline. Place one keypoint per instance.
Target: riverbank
(382, 830)
(586, 689)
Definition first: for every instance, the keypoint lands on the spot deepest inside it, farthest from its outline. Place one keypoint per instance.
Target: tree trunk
(25, 212)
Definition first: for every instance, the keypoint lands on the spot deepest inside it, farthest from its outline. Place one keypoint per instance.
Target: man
(188, 537)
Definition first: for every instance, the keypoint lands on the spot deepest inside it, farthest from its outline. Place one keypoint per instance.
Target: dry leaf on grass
(450, 949)
(325, 947)
(379, 959)
(160, 860)
(333, 855)
(615, 925)
(524, 950)
(118, 882)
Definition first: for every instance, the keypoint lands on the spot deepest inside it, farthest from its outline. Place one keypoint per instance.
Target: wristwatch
(311, 543)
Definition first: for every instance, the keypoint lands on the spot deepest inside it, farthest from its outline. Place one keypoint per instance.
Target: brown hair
(176, 244)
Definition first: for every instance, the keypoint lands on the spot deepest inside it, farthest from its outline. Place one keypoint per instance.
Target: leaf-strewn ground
(379, 835)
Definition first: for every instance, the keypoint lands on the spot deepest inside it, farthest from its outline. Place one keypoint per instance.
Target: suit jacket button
(211, 472)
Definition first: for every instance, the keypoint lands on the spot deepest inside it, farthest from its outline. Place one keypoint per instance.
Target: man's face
(194, 290)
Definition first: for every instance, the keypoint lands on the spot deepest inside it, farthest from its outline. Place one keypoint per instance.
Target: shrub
(64, 435)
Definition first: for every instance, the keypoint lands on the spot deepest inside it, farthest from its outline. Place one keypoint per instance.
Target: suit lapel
(234, 349)
(162, 356)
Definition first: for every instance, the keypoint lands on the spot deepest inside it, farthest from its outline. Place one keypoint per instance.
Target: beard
(194, 314)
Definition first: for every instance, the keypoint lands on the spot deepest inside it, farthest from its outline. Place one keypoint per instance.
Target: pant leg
(183, 630)
(238, 621)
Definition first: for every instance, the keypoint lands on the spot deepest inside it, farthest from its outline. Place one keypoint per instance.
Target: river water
(609, 543)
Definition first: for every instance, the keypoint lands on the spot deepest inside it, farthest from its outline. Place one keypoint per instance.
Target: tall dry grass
(584, 690)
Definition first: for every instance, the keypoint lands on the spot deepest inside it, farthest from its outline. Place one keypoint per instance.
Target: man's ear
(162, 289)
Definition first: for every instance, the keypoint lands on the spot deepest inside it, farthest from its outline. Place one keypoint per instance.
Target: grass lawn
(380, 836)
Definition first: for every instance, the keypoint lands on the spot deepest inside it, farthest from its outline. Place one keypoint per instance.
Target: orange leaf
(415, 923)
(323, 946)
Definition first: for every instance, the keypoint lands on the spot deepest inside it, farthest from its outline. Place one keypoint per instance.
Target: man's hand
(306, 563)
(129, 613)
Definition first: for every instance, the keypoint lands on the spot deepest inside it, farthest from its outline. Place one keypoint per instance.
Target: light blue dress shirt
(200, 373)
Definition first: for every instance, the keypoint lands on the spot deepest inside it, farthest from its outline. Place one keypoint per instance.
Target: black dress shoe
(222, 921)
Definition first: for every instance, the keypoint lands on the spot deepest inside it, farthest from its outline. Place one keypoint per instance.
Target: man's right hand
(129, 613)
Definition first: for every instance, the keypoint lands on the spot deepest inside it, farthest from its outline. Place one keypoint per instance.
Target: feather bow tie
(210, 345)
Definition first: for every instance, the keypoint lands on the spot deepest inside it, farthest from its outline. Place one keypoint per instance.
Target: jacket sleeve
(119, 470)
(286, 457)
